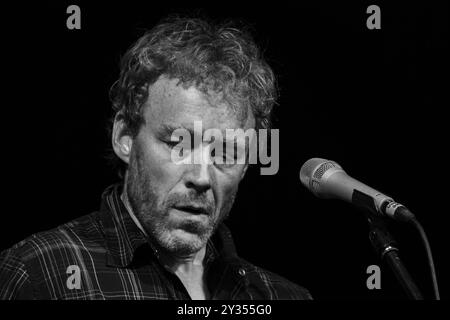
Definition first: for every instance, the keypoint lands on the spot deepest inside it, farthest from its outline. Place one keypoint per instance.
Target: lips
(192, 209)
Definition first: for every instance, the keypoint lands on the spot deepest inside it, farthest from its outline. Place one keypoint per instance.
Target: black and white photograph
(225, 151)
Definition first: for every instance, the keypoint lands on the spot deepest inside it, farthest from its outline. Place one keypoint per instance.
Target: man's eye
(171, 143)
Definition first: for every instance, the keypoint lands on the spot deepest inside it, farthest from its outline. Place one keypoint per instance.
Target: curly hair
(214, 57)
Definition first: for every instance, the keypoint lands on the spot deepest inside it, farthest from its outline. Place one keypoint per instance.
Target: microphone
(326, 179)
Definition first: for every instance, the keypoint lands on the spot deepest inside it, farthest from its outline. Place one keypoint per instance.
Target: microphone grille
(313, 170)
(324, 167)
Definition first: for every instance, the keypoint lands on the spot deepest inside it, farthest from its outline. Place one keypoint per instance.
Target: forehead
(170, 103)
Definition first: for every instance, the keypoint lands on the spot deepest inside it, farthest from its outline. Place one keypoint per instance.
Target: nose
(200, 173)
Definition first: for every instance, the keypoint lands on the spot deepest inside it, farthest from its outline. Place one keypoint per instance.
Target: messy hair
(220, 58)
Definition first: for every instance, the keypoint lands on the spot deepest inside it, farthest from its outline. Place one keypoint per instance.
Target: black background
(373, 100)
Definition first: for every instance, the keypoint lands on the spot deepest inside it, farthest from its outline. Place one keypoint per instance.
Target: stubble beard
(153, 212)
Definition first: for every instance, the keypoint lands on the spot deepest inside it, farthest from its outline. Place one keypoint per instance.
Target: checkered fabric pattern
(104, 255)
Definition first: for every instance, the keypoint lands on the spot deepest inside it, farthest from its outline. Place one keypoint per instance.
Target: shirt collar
(123, 237)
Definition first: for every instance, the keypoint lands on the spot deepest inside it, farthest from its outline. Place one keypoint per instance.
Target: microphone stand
(386, 247)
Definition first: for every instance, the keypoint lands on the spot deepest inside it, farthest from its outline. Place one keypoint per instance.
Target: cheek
(228, 183)
(162, 172)
(226, 199)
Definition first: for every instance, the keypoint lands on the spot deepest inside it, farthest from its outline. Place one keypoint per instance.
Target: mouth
(195, 210)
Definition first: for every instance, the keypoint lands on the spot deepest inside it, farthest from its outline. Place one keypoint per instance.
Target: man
(159, 234)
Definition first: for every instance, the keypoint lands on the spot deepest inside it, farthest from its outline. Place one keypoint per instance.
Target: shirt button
(242, 272)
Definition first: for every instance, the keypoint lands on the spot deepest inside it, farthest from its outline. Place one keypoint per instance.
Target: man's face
(180, 205)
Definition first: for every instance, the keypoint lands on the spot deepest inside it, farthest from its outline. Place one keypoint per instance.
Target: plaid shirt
(104, 255)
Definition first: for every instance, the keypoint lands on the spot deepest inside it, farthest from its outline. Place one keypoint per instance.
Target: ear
(121, 141)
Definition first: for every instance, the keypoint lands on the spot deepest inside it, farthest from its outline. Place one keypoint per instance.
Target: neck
(189, 269)
(126, 202)
(184, 263)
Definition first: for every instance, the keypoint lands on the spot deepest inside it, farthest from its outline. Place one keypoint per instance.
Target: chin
(181, 241)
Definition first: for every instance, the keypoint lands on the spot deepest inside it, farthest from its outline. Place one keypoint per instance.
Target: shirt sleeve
(15, 283)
